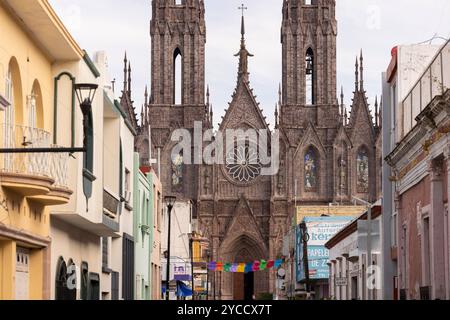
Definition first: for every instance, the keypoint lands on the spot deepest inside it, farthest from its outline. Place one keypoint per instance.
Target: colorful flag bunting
(245, 268)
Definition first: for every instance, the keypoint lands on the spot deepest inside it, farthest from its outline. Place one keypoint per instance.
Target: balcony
(41, 177)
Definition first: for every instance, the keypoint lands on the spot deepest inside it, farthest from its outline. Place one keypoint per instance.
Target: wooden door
(239, 286)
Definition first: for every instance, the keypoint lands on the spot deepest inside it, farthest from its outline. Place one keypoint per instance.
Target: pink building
(420, 166)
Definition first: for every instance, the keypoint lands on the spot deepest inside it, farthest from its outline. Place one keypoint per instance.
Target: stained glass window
(177, 171)
(362, 171)
(311, 167)
(243, 164)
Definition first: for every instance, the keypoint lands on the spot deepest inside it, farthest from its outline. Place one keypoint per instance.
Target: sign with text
(341, 282)
(320, 230)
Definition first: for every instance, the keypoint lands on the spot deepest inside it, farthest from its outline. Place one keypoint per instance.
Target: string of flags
(245, 267)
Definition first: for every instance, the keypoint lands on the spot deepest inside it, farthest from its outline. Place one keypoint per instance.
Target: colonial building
(326, 156)
(34, 44)
(420, 168)
(407, 64)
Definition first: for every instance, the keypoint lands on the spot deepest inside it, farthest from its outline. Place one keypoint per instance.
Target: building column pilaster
(437, 230)
(447, 227)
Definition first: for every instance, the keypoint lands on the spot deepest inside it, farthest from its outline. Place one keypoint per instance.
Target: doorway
(22, 273)
(354, 288)
(243, 286)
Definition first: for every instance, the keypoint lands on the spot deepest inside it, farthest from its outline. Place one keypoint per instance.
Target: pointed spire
(211, 116)
(207, 95)
(125, 63)
(356, 75)
(146, 97)
(361, 65)
(342, 104)
(243, 54)
(276, 116)
(129, 79)
(142, 116)
(243, 27)
(280, 97)
(376, 111)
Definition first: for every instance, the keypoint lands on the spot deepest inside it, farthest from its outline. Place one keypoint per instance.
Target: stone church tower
(325, 155)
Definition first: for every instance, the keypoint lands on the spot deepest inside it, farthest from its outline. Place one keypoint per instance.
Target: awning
(183, 290)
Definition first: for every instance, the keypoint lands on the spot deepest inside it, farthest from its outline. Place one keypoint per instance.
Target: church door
(243, 286)
(238, 286)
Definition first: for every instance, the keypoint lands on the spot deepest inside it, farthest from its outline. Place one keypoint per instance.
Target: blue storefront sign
(319, 230)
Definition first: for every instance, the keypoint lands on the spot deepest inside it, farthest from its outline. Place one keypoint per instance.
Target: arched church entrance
(244, 286)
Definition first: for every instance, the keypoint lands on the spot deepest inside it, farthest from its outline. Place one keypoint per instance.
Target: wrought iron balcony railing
(51, 165)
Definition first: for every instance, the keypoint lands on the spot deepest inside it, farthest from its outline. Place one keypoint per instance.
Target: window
(61, 280)
(158, 212)
(32, 110)
(177, 171)
(84, 281)
(115, 286)
(177, 77)
(105, 253)
(362, 170)
(311, 169)
(89, 154)
(243, 163)
(94, 286)
(309, 80)
(9, 119)
(128, 267)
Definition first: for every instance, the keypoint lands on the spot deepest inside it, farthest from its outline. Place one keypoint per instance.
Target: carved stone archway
(243, 249)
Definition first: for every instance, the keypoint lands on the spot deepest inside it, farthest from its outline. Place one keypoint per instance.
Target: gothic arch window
(177, 76)
(177, 171)
(311, 169)
(362, 170)
(84, 281)
(309, 77)
(72, 280)
(61, 280)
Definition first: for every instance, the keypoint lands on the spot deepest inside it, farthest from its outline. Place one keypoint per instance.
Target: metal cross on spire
(243, 8)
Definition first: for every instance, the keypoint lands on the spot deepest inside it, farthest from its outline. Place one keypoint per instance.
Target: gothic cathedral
(326, 155)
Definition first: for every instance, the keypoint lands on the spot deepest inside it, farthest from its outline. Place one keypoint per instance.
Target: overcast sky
(375, 26)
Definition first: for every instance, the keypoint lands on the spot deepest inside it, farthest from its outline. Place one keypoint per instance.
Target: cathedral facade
(326, 155)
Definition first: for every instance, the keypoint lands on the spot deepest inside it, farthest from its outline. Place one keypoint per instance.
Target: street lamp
(305, 240)
(170, 202)
(85, 93)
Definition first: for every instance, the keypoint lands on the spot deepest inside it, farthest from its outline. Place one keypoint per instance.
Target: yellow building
(200, 259)
(33, 43)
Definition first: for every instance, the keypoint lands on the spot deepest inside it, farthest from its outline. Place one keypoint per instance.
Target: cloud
(373, 25)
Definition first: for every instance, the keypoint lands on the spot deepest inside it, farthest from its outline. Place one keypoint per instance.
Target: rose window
(243, 164)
